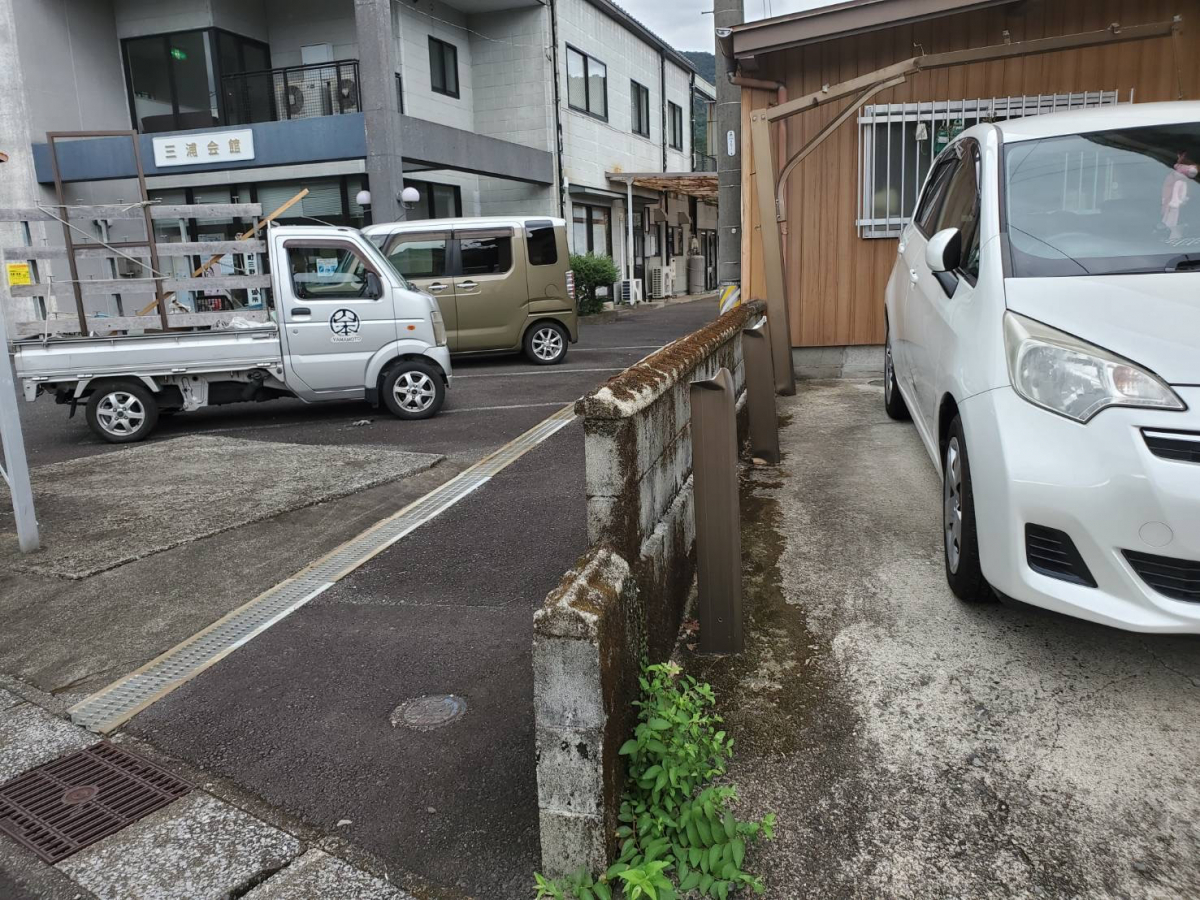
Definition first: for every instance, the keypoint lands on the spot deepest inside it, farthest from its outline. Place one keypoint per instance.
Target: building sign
(18, 273)
(204, 148)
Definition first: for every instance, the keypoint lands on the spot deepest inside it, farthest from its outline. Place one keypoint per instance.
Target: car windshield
(1107, 203)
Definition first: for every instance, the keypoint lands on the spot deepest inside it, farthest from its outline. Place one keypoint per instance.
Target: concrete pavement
(914, 746)
(302, 716)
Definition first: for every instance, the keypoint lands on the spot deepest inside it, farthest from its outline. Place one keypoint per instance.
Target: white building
(485, 106)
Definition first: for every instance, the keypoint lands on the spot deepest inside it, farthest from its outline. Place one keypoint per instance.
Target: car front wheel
(413, 390)
(961, 541)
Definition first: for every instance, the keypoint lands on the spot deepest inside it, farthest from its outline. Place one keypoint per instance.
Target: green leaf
(714, 857)
(722, 889)
(659, 724)
(730, 825)
(690, 882)
(630, 746)
(739, 851)
(704, 831)
(603, 891)
(694, 855)
(705, 883)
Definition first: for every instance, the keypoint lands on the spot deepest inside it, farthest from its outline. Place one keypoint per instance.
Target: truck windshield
(1107, 203)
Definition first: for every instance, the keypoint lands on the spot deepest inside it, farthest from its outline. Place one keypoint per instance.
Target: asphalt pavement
(306, 716)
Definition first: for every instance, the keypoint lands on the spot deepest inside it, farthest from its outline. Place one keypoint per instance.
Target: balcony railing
(295, 92)
(702, 162)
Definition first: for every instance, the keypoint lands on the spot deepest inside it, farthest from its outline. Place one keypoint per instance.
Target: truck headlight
(439, 326)
(1068, 376)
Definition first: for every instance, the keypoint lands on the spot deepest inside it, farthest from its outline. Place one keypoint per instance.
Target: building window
(641, 109)
(898, 143)
(443, 67)
(174, 78)
(592, 229)
(675, 119)
(438, 201)
(587, 84)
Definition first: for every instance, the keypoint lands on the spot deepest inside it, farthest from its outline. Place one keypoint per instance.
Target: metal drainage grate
(73, 802)
(120, 701)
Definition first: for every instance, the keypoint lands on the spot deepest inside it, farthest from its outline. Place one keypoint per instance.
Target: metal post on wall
(718, 519)
(760, 392)
(16, 466)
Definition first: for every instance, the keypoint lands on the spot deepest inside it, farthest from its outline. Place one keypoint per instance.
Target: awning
(701, 185)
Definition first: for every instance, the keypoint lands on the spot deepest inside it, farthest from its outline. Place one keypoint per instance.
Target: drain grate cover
(73, 802)
(428, 713)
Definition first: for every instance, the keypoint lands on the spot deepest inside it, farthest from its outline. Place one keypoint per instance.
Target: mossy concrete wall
(625, 598)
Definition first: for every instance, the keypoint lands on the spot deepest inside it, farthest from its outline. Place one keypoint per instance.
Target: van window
(543, 245)
(327, 273)
(485, 254)
(418, 255)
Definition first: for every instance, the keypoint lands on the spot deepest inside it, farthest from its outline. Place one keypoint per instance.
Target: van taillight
(570, 284)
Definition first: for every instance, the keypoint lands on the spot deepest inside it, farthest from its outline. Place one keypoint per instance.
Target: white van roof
(465, 222)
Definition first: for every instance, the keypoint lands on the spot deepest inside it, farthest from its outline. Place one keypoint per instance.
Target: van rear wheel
(122, 412)
(546, 343)
(413, 390)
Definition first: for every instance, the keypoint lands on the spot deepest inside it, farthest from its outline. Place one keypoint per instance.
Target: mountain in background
(705, 63)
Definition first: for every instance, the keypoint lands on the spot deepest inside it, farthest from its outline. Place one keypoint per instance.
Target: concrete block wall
(624, 600)
(512, 76)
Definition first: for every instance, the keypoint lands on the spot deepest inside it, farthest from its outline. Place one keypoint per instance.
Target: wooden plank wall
(835, 279)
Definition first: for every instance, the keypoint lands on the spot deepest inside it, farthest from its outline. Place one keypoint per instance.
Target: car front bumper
(1099, 483)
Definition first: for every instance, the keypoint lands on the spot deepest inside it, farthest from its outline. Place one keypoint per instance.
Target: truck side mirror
(374, 288)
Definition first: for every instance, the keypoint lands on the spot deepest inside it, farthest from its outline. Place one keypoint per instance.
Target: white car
(1044, 334)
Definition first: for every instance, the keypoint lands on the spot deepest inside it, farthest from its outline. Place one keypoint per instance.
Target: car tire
(893, 401)
(546, 344)
(122, 412)
(960, 540)
(413, 389)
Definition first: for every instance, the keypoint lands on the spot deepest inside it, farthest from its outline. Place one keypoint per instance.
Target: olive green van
(503, 283)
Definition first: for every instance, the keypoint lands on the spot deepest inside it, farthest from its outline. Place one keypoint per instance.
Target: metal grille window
(899, 141)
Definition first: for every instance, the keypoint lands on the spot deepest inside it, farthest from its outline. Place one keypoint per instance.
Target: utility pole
(376, 33)
(726, 14)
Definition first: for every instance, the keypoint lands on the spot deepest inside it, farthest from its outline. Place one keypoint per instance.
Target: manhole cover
(428, 713)
(73, 802)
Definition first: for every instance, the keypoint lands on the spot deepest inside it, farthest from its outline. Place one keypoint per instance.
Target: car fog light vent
(1178, 579)
(1182, 446)
(1052, 552)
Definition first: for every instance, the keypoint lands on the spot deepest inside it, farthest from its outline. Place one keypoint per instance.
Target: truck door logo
(344, 323)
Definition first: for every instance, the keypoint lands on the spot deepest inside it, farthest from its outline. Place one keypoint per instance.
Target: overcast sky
(681, 23)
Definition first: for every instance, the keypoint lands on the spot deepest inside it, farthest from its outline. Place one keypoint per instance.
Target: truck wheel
(413, 390)
(546, 343)
(122, 413)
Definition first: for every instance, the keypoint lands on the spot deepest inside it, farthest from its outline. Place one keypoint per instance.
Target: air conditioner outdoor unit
(300, 100)
(662, 282)
(629, 291)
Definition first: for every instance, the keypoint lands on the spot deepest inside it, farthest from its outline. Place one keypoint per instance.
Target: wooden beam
(70, 324)
(103, 286)
(243, 236)
(181, 248)
(126, 211)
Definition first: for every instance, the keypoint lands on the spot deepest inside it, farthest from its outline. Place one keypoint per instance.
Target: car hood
(1153, 320)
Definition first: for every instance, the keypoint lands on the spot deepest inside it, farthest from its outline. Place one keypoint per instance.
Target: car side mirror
(943, 253)
(374, 287)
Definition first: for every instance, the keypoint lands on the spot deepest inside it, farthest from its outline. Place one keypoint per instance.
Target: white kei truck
(345, 326)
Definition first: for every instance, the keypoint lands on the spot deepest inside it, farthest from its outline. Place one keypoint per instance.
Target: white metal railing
(899, 141)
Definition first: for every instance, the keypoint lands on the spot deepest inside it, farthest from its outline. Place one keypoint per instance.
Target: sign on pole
(16, 466)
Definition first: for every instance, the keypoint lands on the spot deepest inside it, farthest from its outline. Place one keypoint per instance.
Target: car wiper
(1185, 263)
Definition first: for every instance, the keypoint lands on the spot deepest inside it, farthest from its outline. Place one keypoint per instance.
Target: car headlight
(1073, 378)
(439, 326)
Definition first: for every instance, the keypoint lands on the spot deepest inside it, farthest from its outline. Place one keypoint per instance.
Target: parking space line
(549, 370)
(120, 701)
